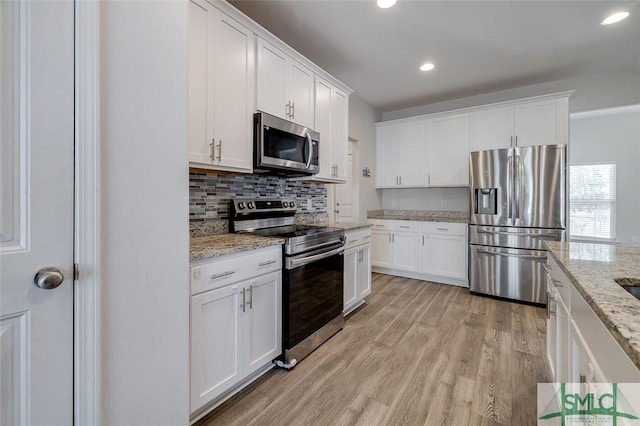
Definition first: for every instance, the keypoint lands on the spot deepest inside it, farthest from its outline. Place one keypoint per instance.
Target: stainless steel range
(312, 282)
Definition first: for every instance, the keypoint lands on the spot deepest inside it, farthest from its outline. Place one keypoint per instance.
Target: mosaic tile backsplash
(210, 193)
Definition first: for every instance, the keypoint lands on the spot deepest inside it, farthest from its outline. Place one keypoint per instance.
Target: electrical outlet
(443, 203)
(197, 273)
(634, 239)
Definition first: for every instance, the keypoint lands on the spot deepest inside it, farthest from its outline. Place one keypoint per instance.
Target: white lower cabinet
(579, 347)
(431, 251)
(236, 328)
(357, 269)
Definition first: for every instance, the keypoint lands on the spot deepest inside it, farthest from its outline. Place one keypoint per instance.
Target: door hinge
(76, 272)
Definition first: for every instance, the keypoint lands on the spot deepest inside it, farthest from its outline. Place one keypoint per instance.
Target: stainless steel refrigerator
(518, 199)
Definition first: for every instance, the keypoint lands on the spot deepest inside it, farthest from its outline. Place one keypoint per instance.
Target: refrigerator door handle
(521, 256)
(509, 185)
(519, 187)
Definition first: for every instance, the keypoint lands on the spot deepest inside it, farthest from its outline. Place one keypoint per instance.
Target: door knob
(48, 278)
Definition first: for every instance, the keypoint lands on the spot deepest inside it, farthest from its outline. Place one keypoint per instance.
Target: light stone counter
(592, 269)
(419, 215)
(347, 226)
(201, 248)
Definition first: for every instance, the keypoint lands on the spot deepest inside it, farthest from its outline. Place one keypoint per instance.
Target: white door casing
(37, 143)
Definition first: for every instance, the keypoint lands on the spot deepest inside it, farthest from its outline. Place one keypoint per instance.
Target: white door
(36, 199)
(448, 150)
(340, 134)
(444, 255)
(301, 94)
(364, 272)
(542, 122)
(271, 80)
(412, 157)
(491, 128)
(323, 126)
(387, 146)
(405, 249)
(381, 248)
(345, 196)
(351, 264)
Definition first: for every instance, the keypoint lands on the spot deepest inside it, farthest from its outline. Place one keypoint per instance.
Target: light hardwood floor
(418, 353)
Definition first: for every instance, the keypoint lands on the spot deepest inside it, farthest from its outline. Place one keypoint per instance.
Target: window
(592, 197)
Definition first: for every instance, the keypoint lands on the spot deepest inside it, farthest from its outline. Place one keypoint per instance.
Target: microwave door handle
(310, 155)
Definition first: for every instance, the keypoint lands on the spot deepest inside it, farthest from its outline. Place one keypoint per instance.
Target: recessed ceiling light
(427, 67)
(385, 4)
(616, 17)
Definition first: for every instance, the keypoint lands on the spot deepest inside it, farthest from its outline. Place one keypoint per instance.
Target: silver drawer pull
(268, 262)
(378, 225)
(224, 274)
(407, 227)
(442, 229)
(368, 236)
(353, 241)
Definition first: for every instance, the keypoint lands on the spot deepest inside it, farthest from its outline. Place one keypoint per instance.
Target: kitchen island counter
(591, 268)
(201, 248)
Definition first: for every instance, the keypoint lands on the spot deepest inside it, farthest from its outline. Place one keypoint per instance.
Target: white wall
(145, 299)
(613, 135)
(362, 119)
(593, 91)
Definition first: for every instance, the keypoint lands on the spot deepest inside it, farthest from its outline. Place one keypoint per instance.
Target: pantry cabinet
(447, 140)
(357, 269)
(235, 321)
(332, 122)
(400, 154)
(543, 121)
(221, 90)
(285, 87)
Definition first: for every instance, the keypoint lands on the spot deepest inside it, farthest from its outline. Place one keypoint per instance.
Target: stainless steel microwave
(283, 147)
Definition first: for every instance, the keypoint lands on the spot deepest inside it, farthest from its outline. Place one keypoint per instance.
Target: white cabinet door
(364, 272)
(563, 354)
(491, 128)
(448, 150)
(542, 122)
(323, 112)
(444, 255)
(221, 90)
(351, 269)
(262, 322)
(387, 147)
(412, 159)
(271, 80)
(300, 94)
(200, 81)
(552, 326)
(405, 248)
(216, 344)
(381, 248)
(233, 92)
(340, 133)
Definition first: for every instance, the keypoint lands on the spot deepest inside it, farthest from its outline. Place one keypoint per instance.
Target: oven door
(285, 146)
(312, 292)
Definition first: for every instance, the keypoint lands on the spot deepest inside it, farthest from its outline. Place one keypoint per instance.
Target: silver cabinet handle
(400, 178)
(287, 109)
(516, 138)
(378, 225)
(428, 179)
(244, 300)
(389, 236)
(212, 150)
(268, 262)
(223, 274)
(250, 302)
(293, 110)
(368, 236)
(353, 241)
(442, 229)
(393, 237)
(404, 226)
(423, 240)
(220, 150)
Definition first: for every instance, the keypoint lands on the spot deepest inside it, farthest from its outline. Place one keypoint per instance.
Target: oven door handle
(292, 263)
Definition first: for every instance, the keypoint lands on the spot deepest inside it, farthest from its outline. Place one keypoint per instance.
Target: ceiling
(477, 46)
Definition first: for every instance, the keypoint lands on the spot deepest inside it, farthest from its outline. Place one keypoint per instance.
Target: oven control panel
(263, 205)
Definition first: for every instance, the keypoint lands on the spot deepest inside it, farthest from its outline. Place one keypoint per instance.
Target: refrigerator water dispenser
(486, 201)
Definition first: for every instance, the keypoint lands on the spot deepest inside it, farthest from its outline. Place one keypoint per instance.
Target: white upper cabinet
(535, 122)
(221, 55)
(285, 87)
(400, 154)
(448, 150)
(331, 121)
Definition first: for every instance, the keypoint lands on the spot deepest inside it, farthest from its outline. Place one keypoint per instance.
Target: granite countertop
(211, 246)
(592, 269)
(419, 215)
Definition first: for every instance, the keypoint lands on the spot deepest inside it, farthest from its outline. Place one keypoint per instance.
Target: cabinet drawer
(395, 225)
(358, 237)
(446, 228)
(560, 280)
(207, 275)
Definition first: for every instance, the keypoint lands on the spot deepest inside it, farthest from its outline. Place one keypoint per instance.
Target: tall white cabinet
(221, 87)
(448, 150)
(332, 122)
